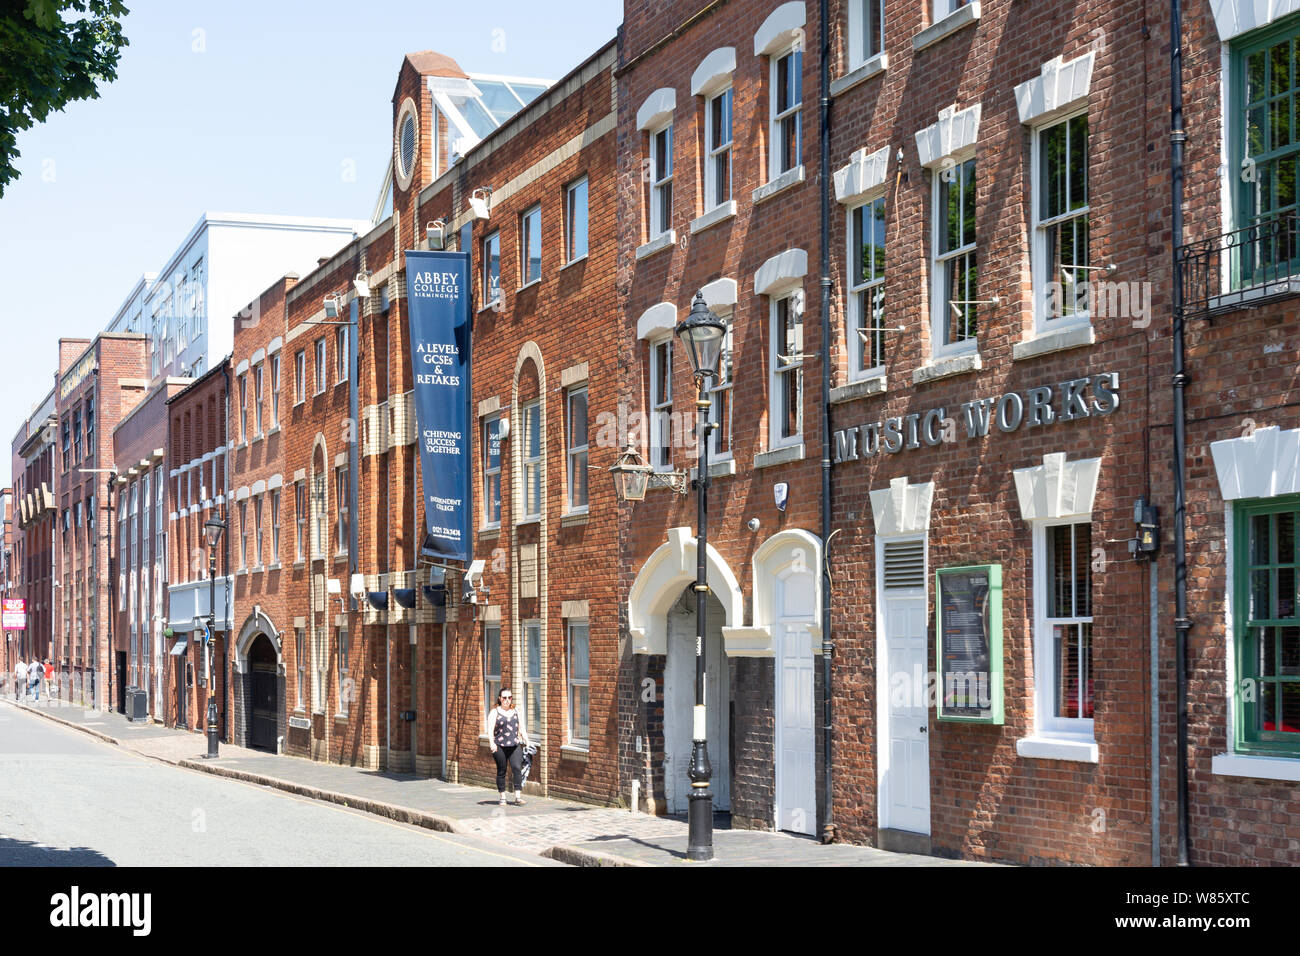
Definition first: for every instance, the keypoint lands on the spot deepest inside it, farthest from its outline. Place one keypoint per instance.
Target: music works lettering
(1067, 401)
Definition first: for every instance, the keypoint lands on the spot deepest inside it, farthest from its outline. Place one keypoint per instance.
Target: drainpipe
(1177, 137)
(824, 130)
(225, 566)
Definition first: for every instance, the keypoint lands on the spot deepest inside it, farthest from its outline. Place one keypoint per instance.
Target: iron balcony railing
(1241, 268)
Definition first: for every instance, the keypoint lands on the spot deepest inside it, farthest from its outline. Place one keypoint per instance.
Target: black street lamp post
(701, 333)
(212, 529)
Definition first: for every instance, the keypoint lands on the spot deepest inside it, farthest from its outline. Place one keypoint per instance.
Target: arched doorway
(264, 705)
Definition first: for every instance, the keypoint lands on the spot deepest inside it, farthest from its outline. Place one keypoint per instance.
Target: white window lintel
(1062, 86)
(714, 72)
(781, 272)
(864, 175)
(1057, 488)
(954, 133)
(782, 28)
(657, 110)
(660, 319)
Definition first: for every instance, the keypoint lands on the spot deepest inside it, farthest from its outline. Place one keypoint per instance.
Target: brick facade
(112, 373)
(32, 556)
(140, 560)
(751, 259)
(197, 490)
(260, 518)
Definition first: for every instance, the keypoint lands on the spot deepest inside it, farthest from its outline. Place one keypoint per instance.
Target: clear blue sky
(235, 106)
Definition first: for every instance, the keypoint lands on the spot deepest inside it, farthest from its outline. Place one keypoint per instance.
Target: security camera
(753, 524)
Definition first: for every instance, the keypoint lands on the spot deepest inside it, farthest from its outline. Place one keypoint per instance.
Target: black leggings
(514, 757)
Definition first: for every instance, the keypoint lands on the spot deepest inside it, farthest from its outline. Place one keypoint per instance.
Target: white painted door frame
(884, 677)
(784, 629)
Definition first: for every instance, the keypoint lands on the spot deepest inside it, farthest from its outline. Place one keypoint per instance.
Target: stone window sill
(574, 262)
(1256, 767)
(273, 567)
(574, 752)
(959, 19)
(657, 244)
(945, 367)
(779, 456)
(256, 438)
(535, 519)
(490, 533)
(714, 216)
(494, 306)
(529, 285)
(1053, 747)
(788, 179)
(863, 388)
(299, 565)
(273, 430)
(340, 718)
(1057, 341)
(723, 468)
(875, 66)
(575, 518)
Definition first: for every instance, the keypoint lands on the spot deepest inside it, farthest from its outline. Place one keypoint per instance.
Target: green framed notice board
(968, 643)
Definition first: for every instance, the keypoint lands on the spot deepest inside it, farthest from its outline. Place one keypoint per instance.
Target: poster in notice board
(968, 636)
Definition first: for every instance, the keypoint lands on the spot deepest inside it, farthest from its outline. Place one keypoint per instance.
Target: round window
(406, 145)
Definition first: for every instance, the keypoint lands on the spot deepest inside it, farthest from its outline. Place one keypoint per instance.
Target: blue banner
(438, 302)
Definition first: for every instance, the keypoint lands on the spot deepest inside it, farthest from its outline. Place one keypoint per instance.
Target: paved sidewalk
(565, 830)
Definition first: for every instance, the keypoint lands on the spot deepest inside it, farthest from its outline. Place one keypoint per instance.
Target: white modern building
(225, 262)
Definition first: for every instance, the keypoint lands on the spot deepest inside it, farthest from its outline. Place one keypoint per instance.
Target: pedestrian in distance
(49, 680)
(509, 738)
(20, 678)
(35, 672)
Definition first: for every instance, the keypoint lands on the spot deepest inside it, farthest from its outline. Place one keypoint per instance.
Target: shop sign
(1091, 396)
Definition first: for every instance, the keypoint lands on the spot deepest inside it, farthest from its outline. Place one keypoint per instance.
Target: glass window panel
(1288, 641)
(528, 91)
(1256, 70)
(1065, 641)
(1285, 593)
(1266, 651)
(578, 649)
(1289, 699)
(1078, 162)
(1260, 539)
(1266, 711)
(1082, 570)
(532, 245)
(1285, 553)
(1260, 605)
(577, 223)
(578, 418)
(581, 718)
(1280, 68)
(500, 102)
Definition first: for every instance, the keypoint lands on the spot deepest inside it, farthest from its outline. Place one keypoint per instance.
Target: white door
(679, 703)
(902, 688)
(796, 751)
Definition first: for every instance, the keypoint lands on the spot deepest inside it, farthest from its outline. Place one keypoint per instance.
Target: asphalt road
(69, 800)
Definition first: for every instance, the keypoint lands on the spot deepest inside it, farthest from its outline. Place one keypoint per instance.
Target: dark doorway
(263, 706)
(121, 682)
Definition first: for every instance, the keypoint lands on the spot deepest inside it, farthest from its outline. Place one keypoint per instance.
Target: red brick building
(138, 535)
(384, 665)
(32, 565)
(261, 525)
(989, 415)
(718, 195)
(197, 490)
(1238, 274)
(100, 381)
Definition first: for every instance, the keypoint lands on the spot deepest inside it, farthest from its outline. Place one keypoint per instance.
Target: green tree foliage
(51, 53)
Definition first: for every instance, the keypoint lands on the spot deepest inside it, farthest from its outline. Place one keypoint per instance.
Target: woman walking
(509, 738)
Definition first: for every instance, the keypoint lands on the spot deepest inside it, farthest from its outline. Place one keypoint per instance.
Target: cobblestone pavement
(570, 831)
